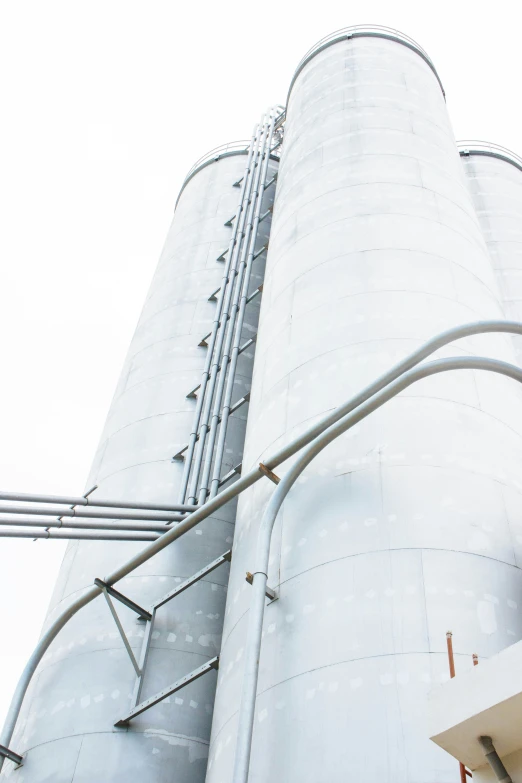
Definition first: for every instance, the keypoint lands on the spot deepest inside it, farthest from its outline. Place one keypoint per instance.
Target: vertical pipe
(216, 357)
(216, 474)
(237, 314)
(232, 251)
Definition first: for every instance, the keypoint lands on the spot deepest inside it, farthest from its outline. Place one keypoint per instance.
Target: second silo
(494, 176)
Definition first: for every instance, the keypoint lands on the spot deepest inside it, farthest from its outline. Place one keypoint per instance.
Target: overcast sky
(104, 107)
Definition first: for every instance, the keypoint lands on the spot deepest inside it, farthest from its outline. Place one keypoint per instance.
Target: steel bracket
(236, 471)
(224, 558)
(271, 594)
(192, 393)
(269, 473)
(255, 293)
(176, 686)
(142, 613)
(122, 633)
(248, 343)
(203, 343)
(229, 221)
(260, 251)
(7, 753)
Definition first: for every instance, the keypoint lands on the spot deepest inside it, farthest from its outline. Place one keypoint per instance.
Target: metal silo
(406, 526)
(494, 176)
(192, 350)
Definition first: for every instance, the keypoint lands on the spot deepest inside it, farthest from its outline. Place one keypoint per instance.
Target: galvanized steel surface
(408, 525)
(85, 681)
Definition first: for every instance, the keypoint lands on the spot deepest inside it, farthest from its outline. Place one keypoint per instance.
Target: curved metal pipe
(455, 333)
(257, 604)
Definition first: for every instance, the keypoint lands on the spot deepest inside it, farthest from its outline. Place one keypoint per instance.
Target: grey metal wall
(410, 524)
(494, 176)
(86, 680)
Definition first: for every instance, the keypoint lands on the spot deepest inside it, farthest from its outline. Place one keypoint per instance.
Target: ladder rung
(261, 250)
(255, 293)
(176, 686)
(234, 472)
(274, 179)
(143, 614)
(225, 558)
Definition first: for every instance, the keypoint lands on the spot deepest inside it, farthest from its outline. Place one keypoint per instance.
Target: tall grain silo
(86, 680)
(403, 527)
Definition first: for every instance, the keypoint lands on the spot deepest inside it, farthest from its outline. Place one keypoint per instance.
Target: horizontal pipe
(87, 524)
(91, 535)
(82, 513)
(250, 478)
(69, 500)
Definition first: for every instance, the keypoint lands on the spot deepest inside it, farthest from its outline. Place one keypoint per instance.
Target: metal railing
(363, 31)
(486, 148)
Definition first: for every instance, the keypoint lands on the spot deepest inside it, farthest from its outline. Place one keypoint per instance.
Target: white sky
(104, 107)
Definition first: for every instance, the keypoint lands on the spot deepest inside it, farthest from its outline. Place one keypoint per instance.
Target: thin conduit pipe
(221, 370)
(90, 501)
(232, 251)
(105, 535)
(81, 513)
(83, 525)
(225, 413)
(262, 553)
(455, 333)
(242, 281)
(216, 359)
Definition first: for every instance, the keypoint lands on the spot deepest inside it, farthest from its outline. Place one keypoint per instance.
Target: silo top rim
(363, 31)
(490, 150)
